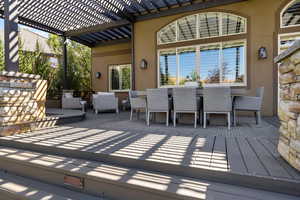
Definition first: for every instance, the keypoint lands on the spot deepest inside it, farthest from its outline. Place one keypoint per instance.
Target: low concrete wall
(22, 102)
(289, 106)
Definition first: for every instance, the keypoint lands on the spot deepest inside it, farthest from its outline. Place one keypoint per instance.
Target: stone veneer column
(22, 102)
(289, 106)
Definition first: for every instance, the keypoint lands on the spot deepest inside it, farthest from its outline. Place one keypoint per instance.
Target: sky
(42, 33)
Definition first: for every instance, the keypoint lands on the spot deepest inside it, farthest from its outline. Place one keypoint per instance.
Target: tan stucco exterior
(104, 56)
(262, 31)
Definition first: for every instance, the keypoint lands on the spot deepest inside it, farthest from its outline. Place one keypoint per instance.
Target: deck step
(13, 187)
(239, 177)
(115, 182)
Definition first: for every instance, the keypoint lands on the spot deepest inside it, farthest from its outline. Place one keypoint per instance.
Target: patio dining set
(201, 102)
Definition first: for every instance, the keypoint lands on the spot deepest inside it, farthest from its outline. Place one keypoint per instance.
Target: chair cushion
(105, 93)
(68, 95)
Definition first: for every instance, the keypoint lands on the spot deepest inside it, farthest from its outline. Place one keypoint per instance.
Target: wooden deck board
(201, 157)
(273, 150)
(235, 159)
(219, 155)
(267, 159)
(252, 162)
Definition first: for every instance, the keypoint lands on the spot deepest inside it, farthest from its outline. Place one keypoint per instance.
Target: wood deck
(247, 150)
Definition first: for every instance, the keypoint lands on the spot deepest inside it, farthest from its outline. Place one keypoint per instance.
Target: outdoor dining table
(235, 92)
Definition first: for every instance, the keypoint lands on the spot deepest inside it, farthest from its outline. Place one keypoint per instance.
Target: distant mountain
(29, 40)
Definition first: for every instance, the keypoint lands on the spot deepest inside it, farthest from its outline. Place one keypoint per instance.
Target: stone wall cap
(19, 75)
(295, 47)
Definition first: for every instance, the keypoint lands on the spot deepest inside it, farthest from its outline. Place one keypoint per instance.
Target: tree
(37, 62)
(79, 64)
(1, 56)
(214, 75)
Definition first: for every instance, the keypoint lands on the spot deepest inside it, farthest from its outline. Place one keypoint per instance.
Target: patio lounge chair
(185, 101)
(136, 103)
(70, 102)
(217, 100)
(158, 101)
(104, 101)
(248, 103)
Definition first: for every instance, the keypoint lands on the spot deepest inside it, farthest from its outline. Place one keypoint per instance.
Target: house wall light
(143, 64)
(262, 53)
(98, 75)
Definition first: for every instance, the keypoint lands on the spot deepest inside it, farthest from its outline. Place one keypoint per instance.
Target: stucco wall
(104, 56)
(262, 31)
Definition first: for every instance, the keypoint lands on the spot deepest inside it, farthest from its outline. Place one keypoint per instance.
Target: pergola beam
(111, 42)
(188, 8)
(92, 21)
(98, 28)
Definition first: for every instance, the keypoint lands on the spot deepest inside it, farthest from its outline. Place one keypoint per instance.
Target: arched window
(290, 15)
(186, 54)
(201, 26)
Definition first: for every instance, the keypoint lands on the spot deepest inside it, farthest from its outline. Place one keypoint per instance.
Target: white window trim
(197, 29)
(110, 67)
(197, 47)
(281, 14)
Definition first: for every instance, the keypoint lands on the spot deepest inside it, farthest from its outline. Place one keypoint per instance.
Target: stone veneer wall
(289, 106)
(22, 102)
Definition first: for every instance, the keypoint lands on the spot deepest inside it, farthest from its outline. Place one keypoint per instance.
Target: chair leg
(148, 119)
(195, 121)
(258, 117)
(234, 118)
(204, 120)
(174, 119)
(96, 111)
(229, 120)
(201, 117)
(131, 113)
(167, 119)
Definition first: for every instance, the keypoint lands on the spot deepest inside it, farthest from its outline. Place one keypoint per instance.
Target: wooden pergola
(89, 22)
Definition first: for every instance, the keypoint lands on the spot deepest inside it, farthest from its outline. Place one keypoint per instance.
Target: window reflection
(217, 63)
(291, 15)
(115, 79)
(201, 26)
(168, 67)
(233, 62)
(209, 63)
(120, 77)
(187, 65)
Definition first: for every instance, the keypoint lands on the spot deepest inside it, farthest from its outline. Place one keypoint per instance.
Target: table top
(234, 92)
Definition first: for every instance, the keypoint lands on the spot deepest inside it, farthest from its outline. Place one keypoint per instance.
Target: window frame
(110, 67)
(220, 24)
(197, 47)
(281, 16)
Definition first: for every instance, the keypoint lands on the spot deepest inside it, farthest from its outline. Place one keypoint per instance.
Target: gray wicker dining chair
(136, 103)
(217, 100)
(158, 101)
(186, 101)
(249, 103)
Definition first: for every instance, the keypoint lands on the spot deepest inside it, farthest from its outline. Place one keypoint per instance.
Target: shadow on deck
(246, 155)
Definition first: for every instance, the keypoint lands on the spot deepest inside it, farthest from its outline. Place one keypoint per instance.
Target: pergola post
(132, 58)
(11, 36)
(65, 63)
